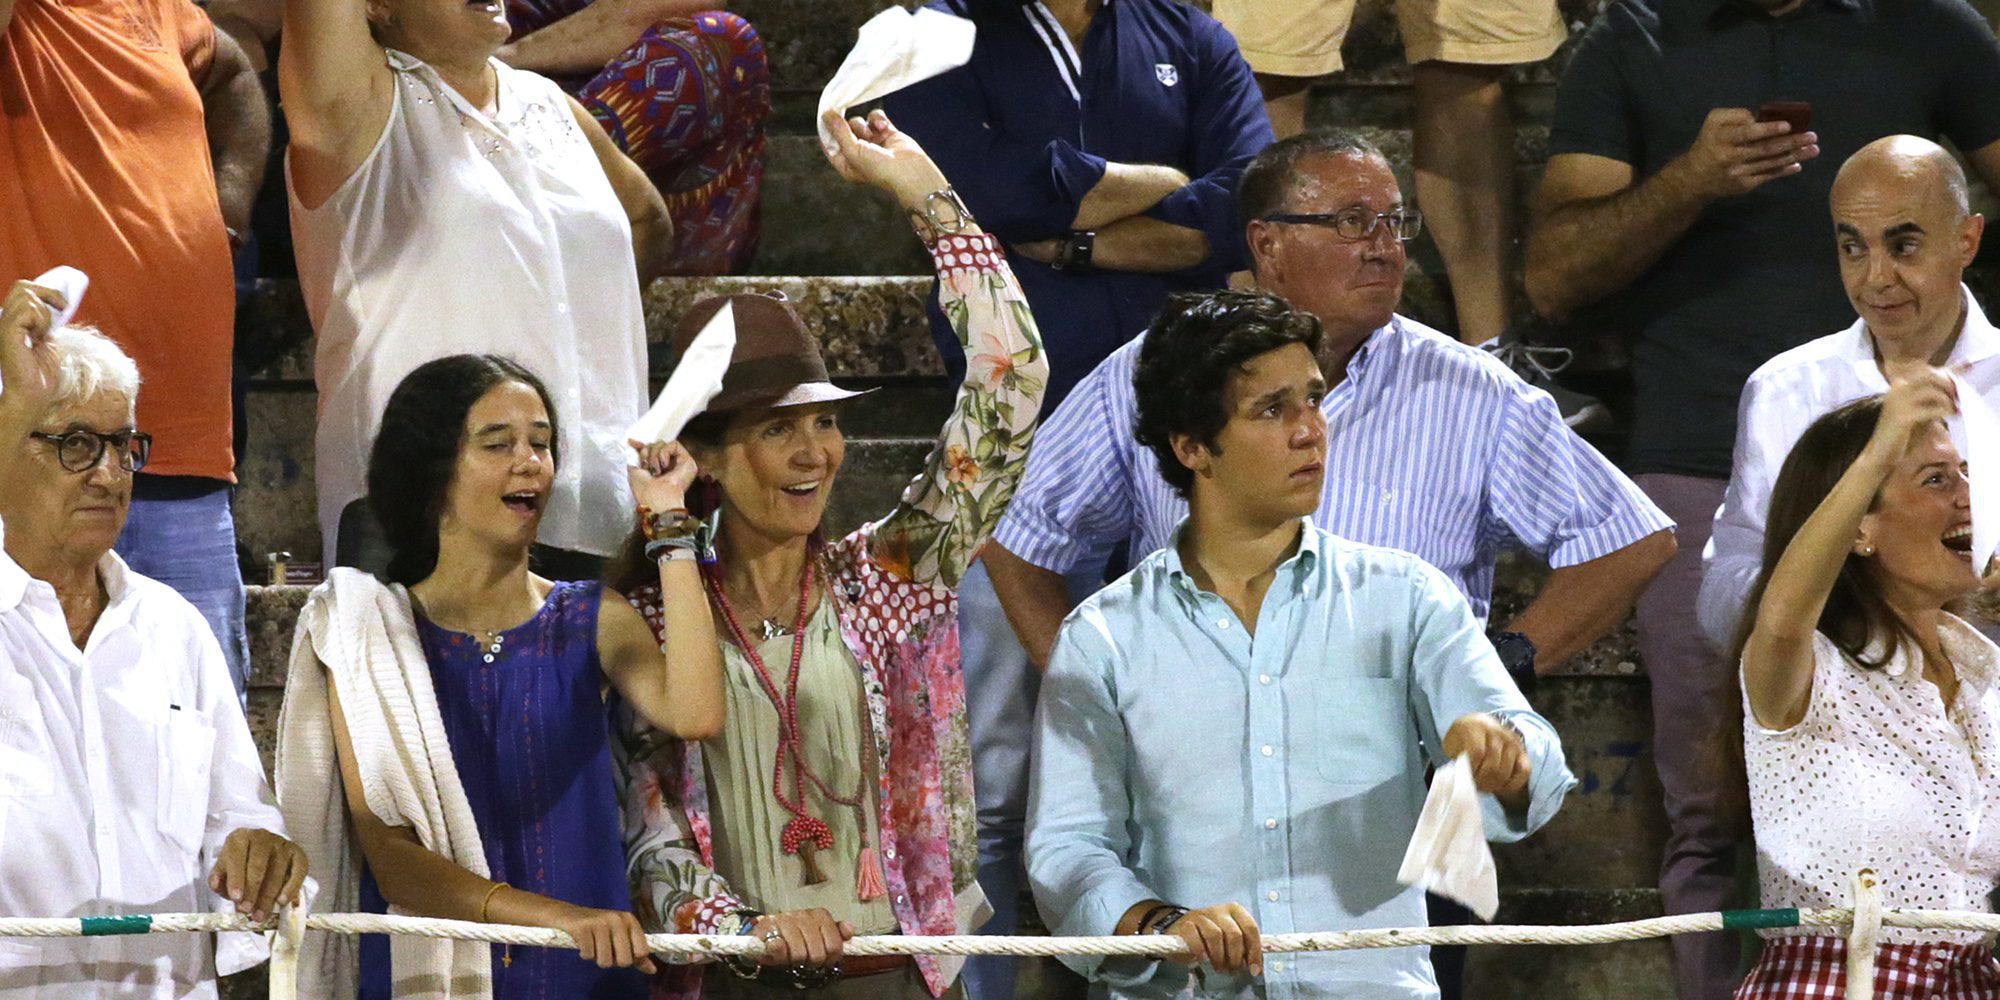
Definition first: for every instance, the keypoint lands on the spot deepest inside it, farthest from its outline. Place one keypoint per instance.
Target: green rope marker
(102, 926)
(1752, 920)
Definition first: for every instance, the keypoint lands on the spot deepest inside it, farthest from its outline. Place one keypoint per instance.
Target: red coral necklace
(804, 833)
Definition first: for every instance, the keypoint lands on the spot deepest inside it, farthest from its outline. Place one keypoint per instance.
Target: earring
(1866, 551)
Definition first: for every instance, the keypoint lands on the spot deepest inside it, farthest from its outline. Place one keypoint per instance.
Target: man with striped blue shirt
(1433, 447)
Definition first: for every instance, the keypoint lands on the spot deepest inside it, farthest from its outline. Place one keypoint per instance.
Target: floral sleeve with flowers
(674, 888)
(952, 507)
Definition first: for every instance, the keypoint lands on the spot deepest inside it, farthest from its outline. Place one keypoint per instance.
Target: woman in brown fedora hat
(838, 799)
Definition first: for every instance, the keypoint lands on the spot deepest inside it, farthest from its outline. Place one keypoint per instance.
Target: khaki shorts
(1303, 37)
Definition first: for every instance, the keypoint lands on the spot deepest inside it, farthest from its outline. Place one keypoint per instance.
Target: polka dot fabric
(1881, 774)
(1815, 968)
(904, 633)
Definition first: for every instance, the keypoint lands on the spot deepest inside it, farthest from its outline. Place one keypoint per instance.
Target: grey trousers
(1697, 743)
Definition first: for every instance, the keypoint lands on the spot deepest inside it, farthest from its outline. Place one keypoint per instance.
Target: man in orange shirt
(133, 137)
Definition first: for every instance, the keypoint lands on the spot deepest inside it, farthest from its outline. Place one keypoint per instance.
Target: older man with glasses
(1434, 447)
(128, 780)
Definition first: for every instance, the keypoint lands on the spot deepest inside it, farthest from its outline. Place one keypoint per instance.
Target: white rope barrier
(1862, 923)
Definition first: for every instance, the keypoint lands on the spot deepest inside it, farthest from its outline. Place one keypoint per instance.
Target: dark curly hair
(1196, 343)
(416, 450)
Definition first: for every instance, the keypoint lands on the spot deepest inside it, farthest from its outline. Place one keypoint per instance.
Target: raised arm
(675, 682)
(585, 41)
(28, 367)
(951, 508)
(1778, 657)
(336, 87)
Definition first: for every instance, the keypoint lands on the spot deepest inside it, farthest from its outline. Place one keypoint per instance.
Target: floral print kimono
(891, 587)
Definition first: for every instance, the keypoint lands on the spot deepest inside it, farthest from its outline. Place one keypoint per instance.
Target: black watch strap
(1076, 249)
(1517, 654)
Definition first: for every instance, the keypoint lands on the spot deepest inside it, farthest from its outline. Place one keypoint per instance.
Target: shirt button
(1277, 966)
(1267, 750)
(1272, 895)
(1222, 623)
(1263, 678)
(1270, 824)
(889, 852)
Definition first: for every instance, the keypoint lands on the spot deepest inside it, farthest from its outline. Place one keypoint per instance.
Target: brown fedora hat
(776, 361)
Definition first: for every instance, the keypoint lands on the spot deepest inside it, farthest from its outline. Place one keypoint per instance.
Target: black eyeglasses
(1355, 224)
(81, 450)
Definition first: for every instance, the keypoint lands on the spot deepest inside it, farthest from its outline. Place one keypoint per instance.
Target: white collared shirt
(123, 767)
(1779, 402)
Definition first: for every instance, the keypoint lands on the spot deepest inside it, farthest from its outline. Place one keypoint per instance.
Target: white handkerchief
(72, 283)
(1977, 435)
(696, 379)
(1448, 854)
(896, 49)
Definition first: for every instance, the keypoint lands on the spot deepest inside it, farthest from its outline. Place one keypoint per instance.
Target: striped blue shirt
(1433, 447)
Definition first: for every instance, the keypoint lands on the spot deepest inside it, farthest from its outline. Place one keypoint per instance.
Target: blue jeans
(181, 533)
(1000, 691)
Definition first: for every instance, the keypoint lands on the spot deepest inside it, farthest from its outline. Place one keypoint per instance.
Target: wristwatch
(1517, 654)
(1073, 253)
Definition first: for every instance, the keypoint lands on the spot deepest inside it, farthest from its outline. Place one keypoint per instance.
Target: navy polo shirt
(1756, 274)
(1023, 131)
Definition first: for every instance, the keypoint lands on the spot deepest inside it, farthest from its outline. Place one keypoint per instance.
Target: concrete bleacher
(847, 260)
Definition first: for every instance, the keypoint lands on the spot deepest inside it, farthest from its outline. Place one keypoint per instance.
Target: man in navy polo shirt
(1669, 211)
(1101, 140)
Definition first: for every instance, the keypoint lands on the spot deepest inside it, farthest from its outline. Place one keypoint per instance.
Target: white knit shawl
(363, 635)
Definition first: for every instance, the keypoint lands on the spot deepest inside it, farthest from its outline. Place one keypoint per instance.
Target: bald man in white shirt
(128, 780)
(1905, 233)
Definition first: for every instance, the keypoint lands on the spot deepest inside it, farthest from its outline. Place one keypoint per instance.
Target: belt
(806, 978)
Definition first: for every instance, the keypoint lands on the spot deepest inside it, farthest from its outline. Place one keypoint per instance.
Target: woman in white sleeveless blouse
(1873, 722)
(443, 203)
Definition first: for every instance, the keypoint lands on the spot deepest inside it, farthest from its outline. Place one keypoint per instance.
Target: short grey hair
(89, 363)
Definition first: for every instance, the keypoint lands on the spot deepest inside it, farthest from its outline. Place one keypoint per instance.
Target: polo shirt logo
(1167, 73)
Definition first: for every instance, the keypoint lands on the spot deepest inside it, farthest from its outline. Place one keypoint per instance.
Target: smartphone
(1797, 113)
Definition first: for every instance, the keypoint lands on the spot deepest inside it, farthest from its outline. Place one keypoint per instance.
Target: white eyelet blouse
(1881, 774)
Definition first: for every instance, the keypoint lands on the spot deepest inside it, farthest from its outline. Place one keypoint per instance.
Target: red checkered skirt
(1815, 968)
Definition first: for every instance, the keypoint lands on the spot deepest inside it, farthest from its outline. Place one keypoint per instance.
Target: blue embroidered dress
(528, 733)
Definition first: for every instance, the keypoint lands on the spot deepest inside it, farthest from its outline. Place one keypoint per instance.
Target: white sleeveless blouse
(1882, 774)
(468, 234)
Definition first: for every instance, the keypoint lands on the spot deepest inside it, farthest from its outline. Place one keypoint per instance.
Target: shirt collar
(13, 579)
(1371, 346)
(1971, 654)
(1301, 563)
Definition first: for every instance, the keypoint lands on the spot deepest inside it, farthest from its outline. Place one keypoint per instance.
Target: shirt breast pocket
(1361, 729)
(187, 753)
(26, 767)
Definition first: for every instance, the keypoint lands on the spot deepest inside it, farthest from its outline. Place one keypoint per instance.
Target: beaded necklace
(804, 833)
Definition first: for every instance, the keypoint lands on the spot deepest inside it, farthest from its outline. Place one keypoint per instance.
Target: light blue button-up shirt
(1178, 757)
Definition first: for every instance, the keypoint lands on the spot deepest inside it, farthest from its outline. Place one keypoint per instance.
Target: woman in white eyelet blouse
(1873, 724)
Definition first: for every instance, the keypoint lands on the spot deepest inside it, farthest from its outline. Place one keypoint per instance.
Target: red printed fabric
(1815, 967)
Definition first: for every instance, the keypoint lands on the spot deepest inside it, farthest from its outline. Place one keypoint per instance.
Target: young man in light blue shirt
(1238, 726)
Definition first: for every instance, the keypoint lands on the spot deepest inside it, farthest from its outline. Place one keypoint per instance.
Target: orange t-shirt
(104, 165)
